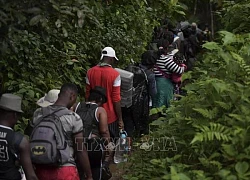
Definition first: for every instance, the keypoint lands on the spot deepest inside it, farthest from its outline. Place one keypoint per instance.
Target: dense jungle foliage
(46, 43)
(207, 131)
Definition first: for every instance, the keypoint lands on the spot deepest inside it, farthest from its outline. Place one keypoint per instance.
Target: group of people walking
(71, 140)
(172, 51)
(68, 139)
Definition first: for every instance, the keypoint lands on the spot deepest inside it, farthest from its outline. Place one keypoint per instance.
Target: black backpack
(140, 82)
(87, 113)
(140, 98)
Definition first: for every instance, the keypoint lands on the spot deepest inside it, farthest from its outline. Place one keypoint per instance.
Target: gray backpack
(48, 140)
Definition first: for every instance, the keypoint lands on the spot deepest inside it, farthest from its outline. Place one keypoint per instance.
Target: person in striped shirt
(164, 67)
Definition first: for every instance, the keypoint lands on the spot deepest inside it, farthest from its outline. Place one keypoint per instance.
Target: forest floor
(116, 172)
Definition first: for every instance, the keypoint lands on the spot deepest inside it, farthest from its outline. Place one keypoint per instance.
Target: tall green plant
(236, 15)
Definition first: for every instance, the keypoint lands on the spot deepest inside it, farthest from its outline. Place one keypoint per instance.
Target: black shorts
(114, 129)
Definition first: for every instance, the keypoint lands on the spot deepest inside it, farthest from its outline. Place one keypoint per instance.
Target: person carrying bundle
(136, 112)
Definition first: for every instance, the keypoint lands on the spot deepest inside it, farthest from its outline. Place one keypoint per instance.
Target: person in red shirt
(106, 76)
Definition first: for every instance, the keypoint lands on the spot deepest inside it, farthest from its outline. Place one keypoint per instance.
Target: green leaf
(211, 46)
(232, 177)
(204, 112)
(56, 7)
(187, 75)
(21, 91)
(3, 14)
(224, 105)
(166, 177)
(183, 176)
(125, 26)
(65, 32)
(155, 161)
(157, 122)
(70, 62)
(197, 138)
(224, 173)
(219, 87)
(173, 171)
(237, 56)
(180, 12)
(228, 37)
(237, 117)
(31, 93)
(153, 111)
(25, 103)
(242, 167)
(10, 75)
(80, 22)
(173, 2)
(34, 10)
(79, 14)
(35, 20)
(145, 1)
(134, 178)
(66, 12)
(229, 149)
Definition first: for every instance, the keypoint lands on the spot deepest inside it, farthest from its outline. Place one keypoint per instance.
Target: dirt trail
(116, 172)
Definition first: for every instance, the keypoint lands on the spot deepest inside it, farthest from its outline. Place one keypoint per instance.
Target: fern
(224, 105)
(210, 114)
(244, 67)
(237, 117)
(208, 163)
(212, 132)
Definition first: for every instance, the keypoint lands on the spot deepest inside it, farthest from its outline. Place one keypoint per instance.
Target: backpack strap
(146, 77)
(62, 112)
(77, 106)
(84, 104)
(58, 112)
(46, 112)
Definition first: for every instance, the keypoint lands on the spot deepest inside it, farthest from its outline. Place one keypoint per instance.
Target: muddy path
(116, 172)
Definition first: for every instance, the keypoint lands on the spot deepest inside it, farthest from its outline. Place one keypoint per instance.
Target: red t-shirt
(106, 77)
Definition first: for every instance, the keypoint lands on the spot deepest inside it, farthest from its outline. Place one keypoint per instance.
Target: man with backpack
(13, 145)
(105, 76)
(54, 158)
(95, 131)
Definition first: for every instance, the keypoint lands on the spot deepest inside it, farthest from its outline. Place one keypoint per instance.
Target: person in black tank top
(13, 145)
(95, 130)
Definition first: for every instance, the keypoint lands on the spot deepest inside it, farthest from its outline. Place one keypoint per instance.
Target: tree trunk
(212, 19)
(195, 6)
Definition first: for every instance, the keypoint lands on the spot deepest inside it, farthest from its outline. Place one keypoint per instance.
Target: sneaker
(106, 174)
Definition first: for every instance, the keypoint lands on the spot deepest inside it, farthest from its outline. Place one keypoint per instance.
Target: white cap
(49, 98)
(109, 52)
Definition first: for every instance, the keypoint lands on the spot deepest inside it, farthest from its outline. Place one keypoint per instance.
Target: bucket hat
(49, 98)
(11, 102)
